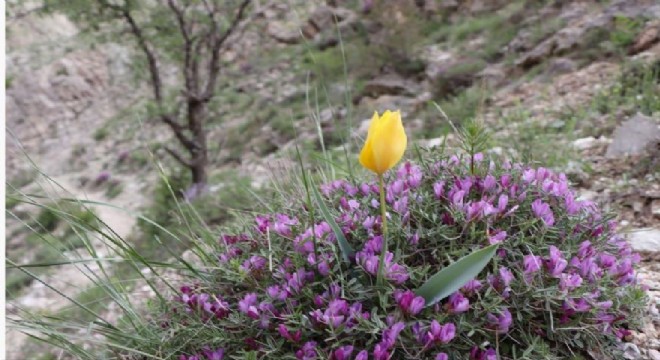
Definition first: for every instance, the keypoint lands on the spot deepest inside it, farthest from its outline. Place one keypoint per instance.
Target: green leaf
(346, 249)
(454, 276)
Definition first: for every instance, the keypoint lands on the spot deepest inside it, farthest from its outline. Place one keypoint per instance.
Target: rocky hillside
(572, 85)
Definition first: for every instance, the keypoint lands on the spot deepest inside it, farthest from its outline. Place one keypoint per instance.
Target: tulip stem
(381, 263)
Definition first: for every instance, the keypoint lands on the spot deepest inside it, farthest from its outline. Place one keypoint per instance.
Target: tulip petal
(367, 156)
(375, 120)
(387, 142)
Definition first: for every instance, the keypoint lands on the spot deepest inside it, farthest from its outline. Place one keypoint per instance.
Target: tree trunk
(199, 153)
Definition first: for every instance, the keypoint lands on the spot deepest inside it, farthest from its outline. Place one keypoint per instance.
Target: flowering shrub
(562, 282)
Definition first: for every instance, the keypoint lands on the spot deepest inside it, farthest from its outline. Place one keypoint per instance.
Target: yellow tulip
(386, 142)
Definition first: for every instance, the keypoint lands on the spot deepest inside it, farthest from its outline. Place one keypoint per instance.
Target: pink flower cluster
(437, 212)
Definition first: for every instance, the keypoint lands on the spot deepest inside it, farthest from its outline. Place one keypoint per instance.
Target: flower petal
(388, 141)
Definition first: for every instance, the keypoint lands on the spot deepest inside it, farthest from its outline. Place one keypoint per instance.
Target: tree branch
(216, 45)
(179, 14)
(152, 62)
(178, 157)
(178, 130)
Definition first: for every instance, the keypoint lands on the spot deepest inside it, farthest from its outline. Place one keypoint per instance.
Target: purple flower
(391, 334)
(506, 276)
(248, 305)
(401, 205)
(438, 189)
(414, 240)
(442, 356)
(217, 354)
(342, 353)
(478, 354)
(500, 322)
(393, 272)
(308, 351)
(502, 202)
(489, 183)
(531, 264)
(440, 333)
(335, 315)
(543, 212)
(284, 332)
(607, 260)
(254, 263)
(369, 222)
(496, 238)
(577, 305)
(457, 199)
(102, 177)
(472, 286)
(362, 355)
(457, 303)
(408, 302)
(529, 176)
(263, 223)
(569, 281)
(282, 225)
(381, 352)
(396, 187)
(374, 244)
(555, 263)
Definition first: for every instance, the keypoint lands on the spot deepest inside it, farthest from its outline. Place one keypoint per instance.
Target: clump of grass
(637, 89)
(537, 142)
(49, 235)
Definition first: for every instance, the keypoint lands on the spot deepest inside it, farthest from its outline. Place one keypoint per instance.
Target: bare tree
(189, 34)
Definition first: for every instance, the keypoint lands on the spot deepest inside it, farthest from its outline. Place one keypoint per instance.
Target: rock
(646, 38)
(634, 136)
(451, 76)
(431, 143)
(631, 351)
(560, 43)
(388, 85)
(284, 34)
(645, 240)
(585, 143)
(654, 354)
(561, 66)
(324, 19)
(482, 6)
(492, 75)
(435, 60)
(655, 208)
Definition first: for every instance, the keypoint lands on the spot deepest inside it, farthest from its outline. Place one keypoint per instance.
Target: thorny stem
(381, 263)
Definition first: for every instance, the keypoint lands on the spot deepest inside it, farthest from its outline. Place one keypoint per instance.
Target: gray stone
(284, 34)
(388, 85)
(634, 136)
(585, 143)
(655, 208)
(631, 351)
(561, 66)
(646, 240)
(654, 354)
(646, 38)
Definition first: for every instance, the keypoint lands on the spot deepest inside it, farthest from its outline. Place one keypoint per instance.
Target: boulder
(284, 34)
(493, 75)
(646, 38)
(388, 85)
(459, 73)
(634, 136)
(560, 66)
(645, 240)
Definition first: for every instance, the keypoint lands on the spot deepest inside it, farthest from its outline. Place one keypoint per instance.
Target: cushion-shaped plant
(561, 284)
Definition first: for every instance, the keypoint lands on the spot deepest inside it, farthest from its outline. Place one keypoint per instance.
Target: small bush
(562, 282)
